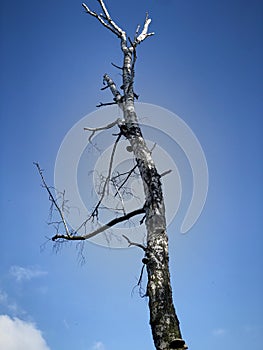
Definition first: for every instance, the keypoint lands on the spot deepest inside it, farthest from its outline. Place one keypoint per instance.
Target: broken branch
(113, 88)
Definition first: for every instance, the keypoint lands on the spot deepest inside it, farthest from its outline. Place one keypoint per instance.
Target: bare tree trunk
(163, 319)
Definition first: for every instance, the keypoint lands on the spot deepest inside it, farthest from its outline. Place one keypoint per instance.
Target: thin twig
(101, 104)
(95, 210)
(119, 194)
(137, 32)
(53, 199)
(133, 243)
(165, 173)
(127, 178)
(115, 65)
(105, 127)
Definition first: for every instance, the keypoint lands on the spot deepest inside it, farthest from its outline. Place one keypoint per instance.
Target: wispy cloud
(10, 305)
(218, 332)
(98, 345)
(3, 297)
(21, 273)
(18, 334)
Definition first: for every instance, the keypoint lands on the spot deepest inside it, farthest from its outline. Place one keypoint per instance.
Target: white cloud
(22, 273)
(98, 345)
(16, 334)
(219, 332)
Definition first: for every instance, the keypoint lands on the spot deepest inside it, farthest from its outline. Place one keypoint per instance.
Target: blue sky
(204, 64)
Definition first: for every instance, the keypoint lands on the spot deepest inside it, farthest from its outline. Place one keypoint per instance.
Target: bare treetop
(106, 20)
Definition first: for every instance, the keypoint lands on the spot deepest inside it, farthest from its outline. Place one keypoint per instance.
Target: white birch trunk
(163, 319)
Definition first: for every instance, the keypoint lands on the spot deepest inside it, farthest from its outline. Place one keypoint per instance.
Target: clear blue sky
(204, 64)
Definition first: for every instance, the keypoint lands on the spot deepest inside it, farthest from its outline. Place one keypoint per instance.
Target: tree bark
(163, 319)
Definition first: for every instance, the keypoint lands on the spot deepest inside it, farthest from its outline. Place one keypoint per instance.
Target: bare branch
(142, 220)
(119, 194)
(106, 104)
(104, 9)
(100, 19)
(144, 34)
(115, 65)
(105, 127)
(135, 244)
(107, 22)
(153, 147)
(104, 88)
(137, 32)
(139, 283)
(105, 185)
(53, 200)
(111, 22)
(165, 173)
(127, 178)
(110, 166)
(100, 229)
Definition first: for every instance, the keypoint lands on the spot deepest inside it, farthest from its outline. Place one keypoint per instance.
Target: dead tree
(163, 319)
